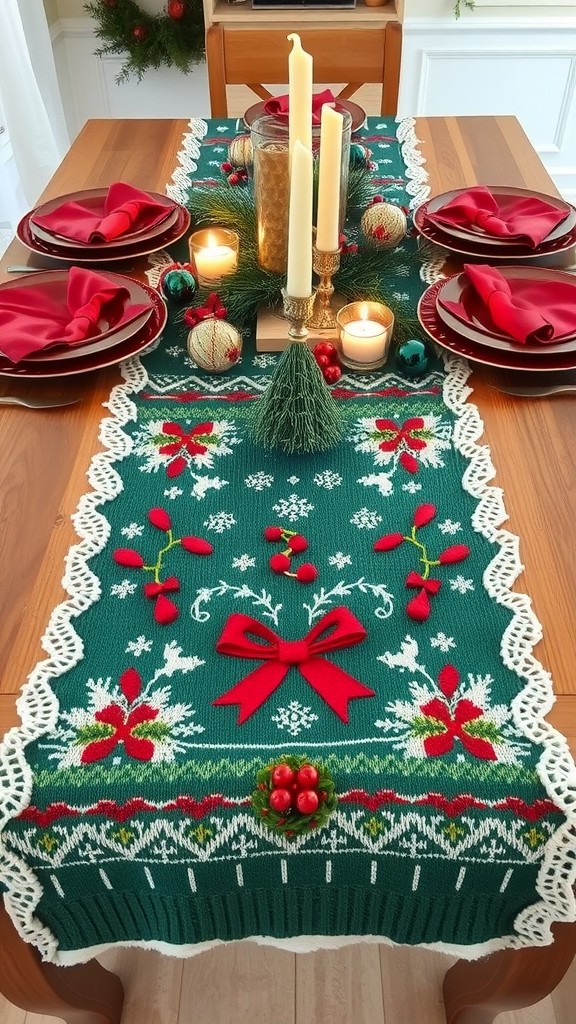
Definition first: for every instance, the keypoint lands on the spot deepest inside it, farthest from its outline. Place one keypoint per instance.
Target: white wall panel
(527, 69)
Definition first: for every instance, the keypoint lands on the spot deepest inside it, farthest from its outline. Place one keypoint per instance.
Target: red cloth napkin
(527, 310)
(527, 221)
(123, 211)
(280, 105)
(64, 312)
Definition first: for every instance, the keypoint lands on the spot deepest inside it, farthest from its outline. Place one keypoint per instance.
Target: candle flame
(212, 240)
(364, 311)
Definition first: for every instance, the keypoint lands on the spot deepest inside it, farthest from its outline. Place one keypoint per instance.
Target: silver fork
(37, 403)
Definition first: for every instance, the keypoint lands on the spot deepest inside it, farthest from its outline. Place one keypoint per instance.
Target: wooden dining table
(45, 455)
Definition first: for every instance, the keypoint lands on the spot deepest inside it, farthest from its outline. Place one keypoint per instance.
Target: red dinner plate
(84, 255)
(477, 250)
(504, 192)
(92, 198)
(356, 112)
(134, 345)
(482, 331)
(518, 359)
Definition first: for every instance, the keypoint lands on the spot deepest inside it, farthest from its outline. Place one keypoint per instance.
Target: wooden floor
(248, 984)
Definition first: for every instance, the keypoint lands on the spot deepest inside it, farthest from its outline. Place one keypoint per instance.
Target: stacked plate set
(513, 316)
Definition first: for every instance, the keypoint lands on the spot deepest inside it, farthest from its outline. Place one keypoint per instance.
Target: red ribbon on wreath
(338, 628)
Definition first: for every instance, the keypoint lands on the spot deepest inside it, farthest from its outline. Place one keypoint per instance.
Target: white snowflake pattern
(328, 479)
(449, 527)
(123, 589)
(293, 480)
(133, 530)
(263, 360)
(412, 487)
(294, 718)
(293, 508)
(173, 492)
(401, 296)
(218, 149)
(259, 481)
(339, 560)
(174, 351)
(461, 585)
(364, 519)
(220, 521)
(139, 646)
(442, 642)
(243, 562)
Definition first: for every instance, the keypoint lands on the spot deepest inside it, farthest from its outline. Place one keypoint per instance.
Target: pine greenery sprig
(163, 40)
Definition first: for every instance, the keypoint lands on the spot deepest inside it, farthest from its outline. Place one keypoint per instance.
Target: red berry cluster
(419, 607)
(347, 248)
(295, 790)
(165, 610)
(326, 355)
(234, 176)
(295, 545)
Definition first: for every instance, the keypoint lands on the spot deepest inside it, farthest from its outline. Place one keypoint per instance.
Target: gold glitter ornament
(214, 345)
(384, 225)
(240, 151)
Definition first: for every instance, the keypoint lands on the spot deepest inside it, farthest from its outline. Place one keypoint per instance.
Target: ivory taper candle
(299, 94)
(327, 228)
(299, 279)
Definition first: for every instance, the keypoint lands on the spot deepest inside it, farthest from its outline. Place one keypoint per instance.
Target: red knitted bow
(414, 579)
(212, 308)
(153, 589)
(335, 686)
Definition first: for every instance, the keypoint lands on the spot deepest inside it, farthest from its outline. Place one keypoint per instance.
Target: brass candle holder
(298, 311)
(325, 264)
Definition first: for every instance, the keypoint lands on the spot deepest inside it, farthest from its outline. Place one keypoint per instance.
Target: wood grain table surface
(44, 455)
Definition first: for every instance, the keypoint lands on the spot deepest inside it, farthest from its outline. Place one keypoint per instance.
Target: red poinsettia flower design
(455, 721)
(123, 722)
(184, 440)
(404, 433)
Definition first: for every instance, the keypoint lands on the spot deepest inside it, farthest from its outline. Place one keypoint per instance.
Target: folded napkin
(280, 105)
(527, 310)
(527, 221)
(63, 312)
(123, 211)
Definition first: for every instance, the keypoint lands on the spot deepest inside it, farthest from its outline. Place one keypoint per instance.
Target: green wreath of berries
(174, 37)
(294, 796)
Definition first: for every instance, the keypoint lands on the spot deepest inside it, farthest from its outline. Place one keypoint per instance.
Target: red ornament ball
(308, 776)
(279, 563)
(282, 776)
(326, 348)
(139, 32)
(280, 800)
(322, 360)
(307, 801)
(176, 9)
(332, 374)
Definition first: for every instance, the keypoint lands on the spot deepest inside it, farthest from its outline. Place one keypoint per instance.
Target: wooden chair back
(358, 56)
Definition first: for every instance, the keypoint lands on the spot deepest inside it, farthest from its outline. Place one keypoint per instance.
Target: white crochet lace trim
(38, 705)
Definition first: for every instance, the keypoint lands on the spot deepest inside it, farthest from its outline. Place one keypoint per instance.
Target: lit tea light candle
(365, 333)
(214, 253)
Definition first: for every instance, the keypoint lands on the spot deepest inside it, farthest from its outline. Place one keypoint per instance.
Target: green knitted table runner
(400, 665)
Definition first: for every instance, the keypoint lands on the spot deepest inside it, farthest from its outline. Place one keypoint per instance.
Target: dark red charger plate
(82, 255)
(98, 360)
(488, 252)
(520, 359)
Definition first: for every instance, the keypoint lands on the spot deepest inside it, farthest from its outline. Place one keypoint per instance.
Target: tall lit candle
(299, 94)
(299, 279)
(327, 228)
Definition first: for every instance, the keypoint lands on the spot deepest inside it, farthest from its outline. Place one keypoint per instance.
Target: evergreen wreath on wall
(174, 37)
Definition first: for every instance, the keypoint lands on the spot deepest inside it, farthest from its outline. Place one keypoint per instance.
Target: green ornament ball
(413, 357)
(359, 154)
(179, 284)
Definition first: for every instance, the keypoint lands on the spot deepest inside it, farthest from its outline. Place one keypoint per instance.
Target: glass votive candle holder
(365, 332)
(214, 254)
